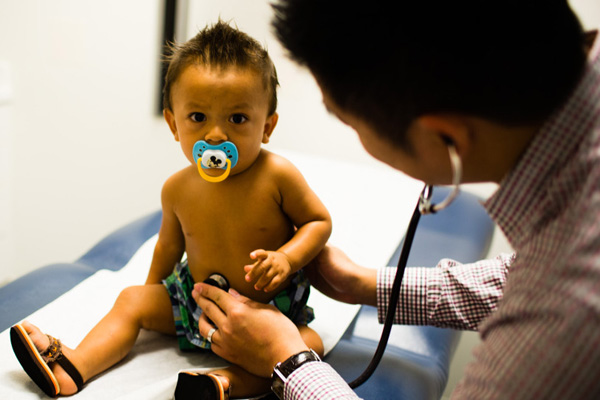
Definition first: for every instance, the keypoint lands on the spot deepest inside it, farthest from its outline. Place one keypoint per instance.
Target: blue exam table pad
(416, 362)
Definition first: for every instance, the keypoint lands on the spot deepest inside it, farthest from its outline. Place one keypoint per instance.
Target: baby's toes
(39, 339)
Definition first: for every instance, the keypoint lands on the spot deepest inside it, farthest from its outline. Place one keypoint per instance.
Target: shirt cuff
(316, 380)
(420, 292)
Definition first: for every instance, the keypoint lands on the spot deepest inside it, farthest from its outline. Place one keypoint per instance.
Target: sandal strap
(71, 370)
(53, 353)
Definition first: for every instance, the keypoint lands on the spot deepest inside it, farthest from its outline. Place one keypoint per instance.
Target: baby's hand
(270, 269)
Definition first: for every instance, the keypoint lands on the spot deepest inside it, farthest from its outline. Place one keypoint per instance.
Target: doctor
(514, 87)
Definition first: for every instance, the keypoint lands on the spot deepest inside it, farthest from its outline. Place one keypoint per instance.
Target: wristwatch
(284, 369)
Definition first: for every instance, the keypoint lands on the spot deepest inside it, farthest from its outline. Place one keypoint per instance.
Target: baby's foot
(225, 383)
(202, 386)
(41, 342)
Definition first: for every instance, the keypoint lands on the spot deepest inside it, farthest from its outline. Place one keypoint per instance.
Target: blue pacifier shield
(215, 156)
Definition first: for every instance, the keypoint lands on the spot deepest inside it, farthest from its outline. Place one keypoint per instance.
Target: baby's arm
(170, 245)
(313, 224)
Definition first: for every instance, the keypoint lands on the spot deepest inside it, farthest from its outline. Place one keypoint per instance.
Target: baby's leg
(244, 384)
(137, 307)
(312, 339)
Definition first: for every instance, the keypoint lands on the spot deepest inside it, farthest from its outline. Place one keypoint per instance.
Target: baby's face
(219, 105)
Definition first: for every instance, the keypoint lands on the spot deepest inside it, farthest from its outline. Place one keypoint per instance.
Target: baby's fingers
(256, 270)
(273, 284)
(265, 282)
(259, 255)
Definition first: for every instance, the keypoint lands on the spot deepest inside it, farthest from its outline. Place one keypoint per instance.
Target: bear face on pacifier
(220, 156)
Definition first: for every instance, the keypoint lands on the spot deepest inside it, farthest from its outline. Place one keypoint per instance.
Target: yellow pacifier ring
(215, 179)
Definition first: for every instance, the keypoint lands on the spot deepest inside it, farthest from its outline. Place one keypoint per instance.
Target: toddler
(237, 210)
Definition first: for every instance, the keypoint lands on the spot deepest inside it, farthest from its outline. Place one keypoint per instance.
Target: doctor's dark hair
(221, 46)
(512, 62)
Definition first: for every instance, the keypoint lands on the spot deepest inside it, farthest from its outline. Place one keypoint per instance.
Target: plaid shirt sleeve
(317, 381)
(451, 295)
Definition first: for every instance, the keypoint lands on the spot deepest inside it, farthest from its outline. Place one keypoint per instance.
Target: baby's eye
(238, 118)
(198, 117)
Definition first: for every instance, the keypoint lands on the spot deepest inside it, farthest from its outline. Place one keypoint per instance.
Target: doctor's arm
(451, 295)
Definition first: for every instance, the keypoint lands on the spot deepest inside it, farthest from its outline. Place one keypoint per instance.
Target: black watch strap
(284, 369)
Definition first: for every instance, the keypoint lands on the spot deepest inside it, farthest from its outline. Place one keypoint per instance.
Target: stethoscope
(424, 206)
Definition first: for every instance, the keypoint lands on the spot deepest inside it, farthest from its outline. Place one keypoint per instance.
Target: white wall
(6, 163)
(88, 154)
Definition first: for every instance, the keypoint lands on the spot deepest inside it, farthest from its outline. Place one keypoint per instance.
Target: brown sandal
(191, 385)
(37, 365)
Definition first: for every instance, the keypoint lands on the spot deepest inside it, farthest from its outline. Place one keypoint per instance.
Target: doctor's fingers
(213, 303)
(206, 328)
(205, 325)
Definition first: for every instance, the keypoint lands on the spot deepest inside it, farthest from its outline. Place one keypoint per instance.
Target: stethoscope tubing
(394, 297)
(424, 206)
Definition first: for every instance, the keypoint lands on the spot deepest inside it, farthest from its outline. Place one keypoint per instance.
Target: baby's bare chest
(220, 234)
(221, 231)
(245, 215)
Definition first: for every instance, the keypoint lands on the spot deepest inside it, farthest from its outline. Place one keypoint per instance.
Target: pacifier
(220, 156)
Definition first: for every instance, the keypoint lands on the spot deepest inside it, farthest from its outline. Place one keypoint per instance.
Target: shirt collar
(519, 202)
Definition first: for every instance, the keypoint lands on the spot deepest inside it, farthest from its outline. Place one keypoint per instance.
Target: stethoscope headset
(424, 206)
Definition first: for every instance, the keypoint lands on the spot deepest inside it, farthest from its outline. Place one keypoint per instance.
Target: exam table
(416, 363)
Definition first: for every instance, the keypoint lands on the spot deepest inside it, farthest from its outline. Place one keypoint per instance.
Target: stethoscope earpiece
(425, 204)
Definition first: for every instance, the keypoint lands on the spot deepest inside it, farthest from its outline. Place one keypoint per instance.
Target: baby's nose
(215, 135)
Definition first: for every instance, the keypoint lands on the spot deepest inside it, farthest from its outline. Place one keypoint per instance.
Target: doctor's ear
(449, 129)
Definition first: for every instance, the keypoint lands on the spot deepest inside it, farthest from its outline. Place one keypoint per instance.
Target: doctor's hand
(253, 335)
(338, 277)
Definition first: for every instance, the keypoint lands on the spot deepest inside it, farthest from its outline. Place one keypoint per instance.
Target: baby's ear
(170, 118)
(270, 124)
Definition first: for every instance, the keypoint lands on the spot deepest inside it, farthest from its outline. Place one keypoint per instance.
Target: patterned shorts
(291, 301)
